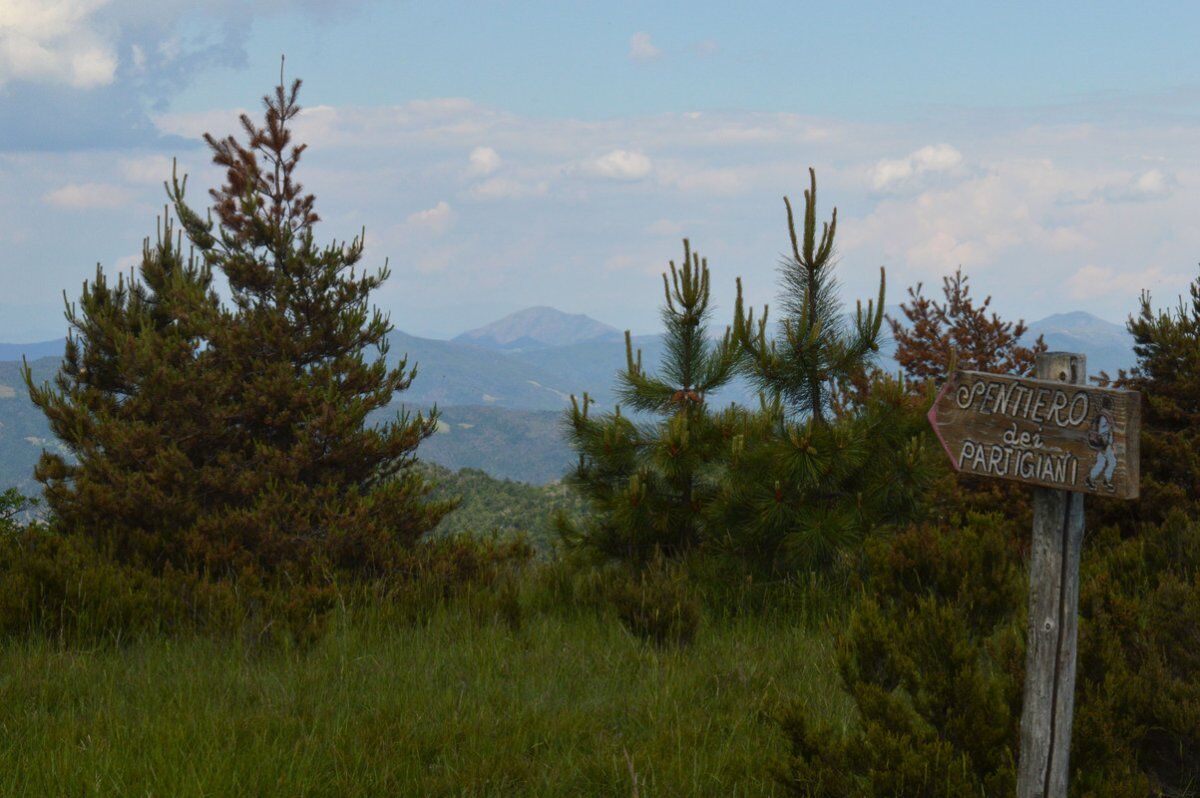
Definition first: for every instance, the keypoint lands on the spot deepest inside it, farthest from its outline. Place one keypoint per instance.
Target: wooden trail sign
(1066, 439)
(1041, 432)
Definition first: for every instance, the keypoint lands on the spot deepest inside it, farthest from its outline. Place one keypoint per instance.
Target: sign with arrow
(1041, 432)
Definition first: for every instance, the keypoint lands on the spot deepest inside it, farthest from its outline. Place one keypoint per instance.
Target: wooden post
(1049, 701)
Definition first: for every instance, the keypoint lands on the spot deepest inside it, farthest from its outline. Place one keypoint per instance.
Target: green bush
(60, 587)
(658, 605)
(933, 657)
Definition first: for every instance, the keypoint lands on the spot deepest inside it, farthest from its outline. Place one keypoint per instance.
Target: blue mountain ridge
(502, 404)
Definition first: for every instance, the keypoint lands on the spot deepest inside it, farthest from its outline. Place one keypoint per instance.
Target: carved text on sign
(1053, 434)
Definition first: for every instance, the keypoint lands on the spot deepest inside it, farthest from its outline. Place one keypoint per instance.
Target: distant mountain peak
(537, 328)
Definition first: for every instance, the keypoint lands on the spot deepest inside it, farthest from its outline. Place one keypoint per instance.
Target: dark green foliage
(125, 405)
(800, 492)
(658, 605)
(934, 659)
(838, 448)
(59, 587)
(1167, 345)
(13, 505)
(814, 354)
(233, 440)
(930, 658)
(1137, 727)
(499, 507)
(650, 482)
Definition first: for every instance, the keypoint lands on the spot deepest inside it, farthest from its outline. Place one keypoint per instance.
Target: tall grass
(461, 702)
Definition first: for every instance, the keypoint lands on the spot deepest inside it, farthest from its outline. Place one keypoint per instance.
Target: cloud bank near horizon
(483, 210)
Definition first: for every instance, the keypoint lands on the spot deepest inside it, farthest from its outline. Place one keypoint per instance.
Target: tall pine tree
(649, 482)
(252, 419)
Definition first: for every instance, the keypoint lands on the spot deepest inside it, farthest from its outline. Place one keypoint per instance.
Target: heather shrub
(933, 657)
(658, 605)
(61, 587)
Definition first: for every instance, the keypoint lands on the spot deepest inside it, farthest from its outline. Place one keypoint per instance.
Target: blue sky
(503, 155)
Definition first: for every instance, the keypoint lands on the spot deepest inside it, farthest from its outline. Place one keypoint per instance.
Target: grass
(568, 703)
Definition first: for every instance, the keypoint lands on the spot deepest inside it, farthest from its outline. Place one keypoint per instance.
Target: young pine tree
(234, 438)
(819, 471)
(650, 482)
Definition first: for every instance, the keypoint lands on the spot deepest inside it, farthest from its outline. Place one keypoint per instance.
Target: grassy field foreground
(566, 704)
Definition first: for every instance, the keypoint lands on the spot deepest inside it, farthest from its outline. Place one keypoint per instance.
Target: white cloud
(147, 169)
(706, 48)
(718, 182)
(1152, 184)
(665, 227)
(619, 165)
(88, 196)
(642, 48)
(931, 159)
(507, 188)
(1092, 282)
(127, 262)
(484, 161)
(1026, 214)
(633, 263)
(55, 41)
(436, 220)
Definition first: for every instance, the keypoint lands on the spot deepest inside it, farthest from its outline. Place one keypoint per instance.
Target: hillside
(525, 445)
(502, 408)
(24, 431)
(501, 507)
(33, 351)
(450, 373)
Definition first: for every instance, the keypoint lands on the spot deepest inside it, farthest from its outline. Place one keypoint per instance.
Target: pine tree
(958, 331)
(819, 466)
(814, 353)
(1167, 374)
(126, 407)
(235, 438)
(649, 481)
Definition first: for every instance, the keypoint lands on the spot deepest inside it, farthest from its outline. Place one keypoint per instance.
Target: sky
(502, 155)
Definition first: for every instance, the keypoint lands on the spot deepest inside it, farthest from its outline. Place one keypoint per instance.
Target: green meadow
(462, 702)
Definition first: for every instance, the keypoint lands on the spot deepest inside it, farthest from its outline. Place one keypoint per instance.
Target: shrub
(61, 587)
(933, 658)
(658, 605)
(649, 483)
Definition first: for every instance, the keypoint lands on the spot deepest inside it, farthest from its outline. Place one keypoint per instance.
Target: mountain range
(502, 388)
(538, 328)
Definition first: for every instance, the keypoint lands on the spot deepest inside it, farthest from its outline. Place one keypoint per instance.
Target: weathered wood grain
(1049, 698)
